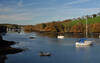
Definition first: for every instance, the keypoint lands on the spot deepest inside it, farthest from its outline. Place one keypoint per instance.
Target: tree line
(77, 25)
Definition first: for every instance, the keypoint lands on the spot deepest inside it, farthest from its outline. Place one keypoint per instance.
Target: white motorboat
(32, 36)
(99, 36)
(60, 37)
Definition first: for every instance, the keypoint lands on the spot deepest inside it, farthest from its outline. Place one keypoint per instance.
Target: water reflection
(48, 34)
(63, 50)
(69, 35)
(55, 34)
(79, 47)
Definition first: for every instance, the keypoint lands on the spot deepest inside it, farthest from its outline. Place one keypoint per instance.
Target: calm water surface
(62, 50)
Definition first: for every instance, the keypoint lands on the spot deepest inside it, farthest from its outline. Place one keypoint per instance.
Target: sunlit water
(62, 50)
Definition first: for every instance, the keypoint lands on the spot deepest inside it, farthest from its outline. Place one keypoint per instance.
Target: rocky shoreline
(5, 47)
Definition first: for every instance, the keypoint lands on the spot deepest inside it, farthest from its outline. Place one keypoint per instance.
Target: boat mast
(86, 28)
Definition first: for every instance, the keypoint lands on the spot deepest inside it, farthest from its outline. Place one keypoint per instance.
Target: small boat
(99, 36)
(45, 54)
(60, 36)
(84, 42)
(31, 37)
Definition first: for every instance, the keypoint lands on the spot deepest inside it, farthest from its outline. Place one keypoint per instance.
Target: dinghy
(45, 54)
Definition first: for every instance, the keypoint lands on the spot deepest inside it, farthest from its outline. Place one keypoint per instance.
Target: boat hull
(60, 37)
(45, 54)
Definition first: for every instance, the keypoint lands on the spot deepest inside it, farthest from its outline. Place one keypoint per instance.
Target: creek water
(62, 50)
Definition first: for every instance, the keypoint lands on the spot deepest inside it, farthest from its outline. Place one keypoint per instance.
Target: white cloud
(86, 11)
(14, 17)
(76, 2)
(44, 14)
(5, 9)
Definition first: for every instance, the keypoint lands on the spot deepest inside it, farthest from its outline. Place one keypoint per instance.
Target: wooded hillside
(77, 25)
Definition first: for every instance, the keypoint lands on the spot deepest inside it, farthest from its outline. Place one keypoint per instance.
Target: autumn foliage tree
(79, 28)
(75, 26)
(96, 27)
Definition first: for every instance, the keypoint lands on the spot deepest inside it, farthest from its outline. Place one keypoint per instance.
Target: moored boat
(32, 37)
(84, 42)
(45, 54)
(60, 36)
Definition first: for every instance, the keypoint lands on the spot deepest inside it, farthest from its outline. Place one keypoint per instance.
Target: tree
(94, 15)
(77, 28)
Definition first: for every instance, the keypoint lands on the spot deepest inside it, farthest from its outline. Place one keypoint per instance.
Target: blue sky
(39, 11)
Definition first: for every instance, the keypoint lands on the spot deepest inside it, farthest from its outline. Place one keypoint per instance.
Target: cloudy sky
(38, 11)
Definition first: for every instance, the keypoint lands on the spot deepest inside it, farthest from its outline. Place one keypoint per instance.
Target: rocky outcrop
(5, 49)
(4, 43)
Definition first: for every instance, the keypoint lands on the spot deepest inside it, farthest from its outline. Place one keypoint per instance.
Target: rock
(4, 43)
